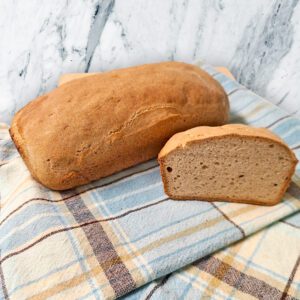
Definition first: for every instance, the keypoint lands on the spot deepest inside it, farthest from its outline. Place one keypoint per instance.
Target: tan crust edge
(228, 199)
(18, 141)
(73, 76)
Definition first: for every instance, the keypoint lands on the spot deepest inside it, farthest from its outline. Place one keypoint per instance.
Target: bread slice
(235, 163)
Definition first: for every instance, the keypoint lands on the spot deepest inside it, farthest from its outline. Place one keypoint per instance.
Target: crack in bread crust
(138, 114)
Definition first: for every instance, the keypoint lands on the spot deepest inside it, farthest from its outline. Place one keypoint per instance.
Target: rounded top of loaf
(182, 139)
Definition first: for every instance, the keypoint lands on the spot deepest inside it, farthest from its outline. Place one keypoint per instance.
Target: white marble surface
(41, 39)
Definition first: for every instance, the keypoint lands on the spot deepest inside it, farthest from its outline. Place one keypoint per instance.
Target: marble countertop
(259, 41)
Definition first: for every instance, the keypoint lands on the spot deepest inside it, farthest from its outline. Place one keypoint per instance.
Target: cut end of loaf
(232, 168)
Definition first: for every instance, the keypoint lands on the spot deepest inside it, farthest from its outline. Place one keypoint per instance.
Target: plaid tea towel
(265, 265)
(108, 238)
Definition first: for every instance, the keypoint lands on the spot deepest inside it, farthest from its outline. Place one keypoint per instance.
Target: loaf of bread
(95, 126)
(233, 162)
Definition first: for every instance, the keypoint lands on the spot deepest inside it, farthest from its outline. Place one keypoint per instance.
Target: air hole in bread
(169, 169)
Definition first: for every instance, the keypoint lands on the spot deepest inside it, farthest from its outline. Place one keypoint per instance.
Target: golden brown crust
(204, 133)
(95, 126)
(181, 139)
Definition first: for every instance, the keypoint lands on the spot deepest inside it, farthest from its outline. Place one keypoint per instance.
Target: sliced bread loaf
(233, 162)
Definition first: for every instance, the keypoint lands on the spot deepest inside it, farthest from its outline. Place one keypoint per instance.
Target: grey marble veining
(40, 40)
